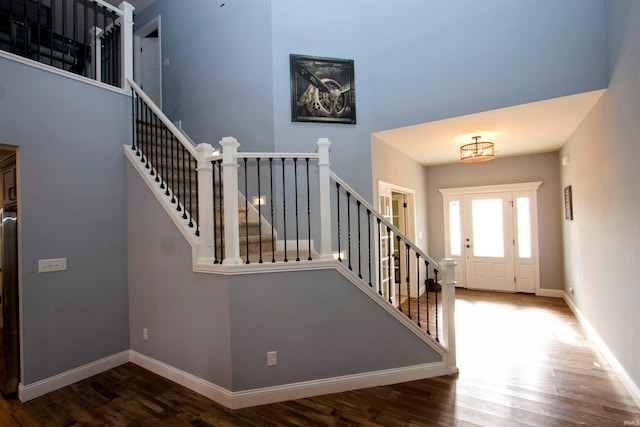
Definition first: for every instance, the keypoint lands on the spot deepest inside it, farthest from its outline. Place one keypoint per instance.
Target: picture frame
(322, 89)
(568, 203)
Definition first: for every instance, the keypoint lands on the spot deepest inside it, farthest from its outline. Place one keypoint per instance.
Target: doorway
(491, 232)
(396, 204)
(148, 60)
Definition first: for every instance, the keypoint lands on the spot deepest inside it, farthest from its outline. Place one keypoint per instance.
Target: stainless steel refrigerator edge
(9, 323)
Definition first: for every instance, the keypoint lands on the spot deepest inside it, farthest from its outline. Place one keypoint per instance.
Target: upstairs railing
(90, 38)
(288, 209)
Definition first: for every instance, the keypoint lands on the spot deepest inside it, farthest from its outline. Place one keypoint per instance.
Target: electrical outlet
(272, 358)
(49, 265)
(145, 334)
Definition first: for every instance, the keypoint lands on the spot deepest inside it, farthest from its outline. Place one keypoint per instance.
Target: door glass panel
(455, 238)
(488, 232)
(524, 227)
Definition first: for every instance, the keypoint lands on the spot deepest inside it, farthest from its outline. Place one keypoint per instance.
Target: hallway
(523, 360)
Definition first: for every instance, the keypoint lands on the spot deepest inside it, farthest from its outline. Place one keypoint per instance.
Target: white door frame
(147, 29)
(452, 194)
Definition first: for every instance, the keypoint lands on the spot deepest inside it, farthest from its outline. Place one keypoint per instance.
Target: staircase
(307, 219)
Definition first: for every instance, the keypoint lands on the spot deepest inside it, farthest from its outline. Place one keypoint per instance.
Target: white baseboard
(553, 293)
(40, 388)
(628, 383)
(262, 396)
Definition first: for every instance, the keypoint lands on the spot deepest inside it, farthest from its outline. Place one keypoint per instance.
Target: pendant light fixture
(476, 152)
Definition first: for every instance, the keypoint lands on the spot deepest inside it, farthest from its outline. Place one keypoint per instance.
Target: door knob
(468, 246)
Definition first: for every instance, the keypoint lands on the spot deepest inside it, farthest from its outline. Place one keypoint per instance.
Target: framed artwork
(568, 203)
(322, 90)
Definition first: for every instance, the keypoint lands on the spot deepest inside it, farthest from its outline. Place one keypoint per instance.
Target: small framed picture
(568, 203)
(322, 90)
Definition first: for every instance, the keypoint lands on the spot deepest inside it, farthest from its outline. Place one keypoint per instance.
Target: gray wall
(218, 81)
(186, 313)
(72, 206)
(415, 61)
(537, 167)
(601, 244)
(220, 328)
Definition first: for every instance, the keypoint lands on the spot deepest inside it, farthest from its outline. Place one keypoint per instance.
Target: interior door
(489, 242)
(149, 76)
(387, 261)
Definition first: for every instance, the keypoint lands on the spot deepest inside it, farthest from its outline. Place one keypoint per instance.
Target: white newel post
(126, 43)
(205, 203)
(230, 194)
(97, 51)
(448, 284)
(324, 190)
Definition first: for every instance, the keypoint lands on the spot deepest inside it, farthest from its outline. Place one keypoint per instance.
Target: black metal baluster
(408, 282)
(426, 268)
(338, 216)
(418, 285)
(168, 155)
(369, 244)
(284, 211)
(389, 272)
(179, 171)
(64, 35)
(154, 142)
(359, 245)
(133, 119)
(196, 200)
(174, 161)
(137, 126)
(308, 211)
(74, 67)
(184, 182)
(273, 247)
(379, 257)
(435, 271)
(246, 209)
(221, 204)
(260, 261)
(85, 72)
(215, 213)
(295, 180)
(95, 41)
(146, 136)
(52, 25)
(162, 165)
(399, 300)
(349, 228)
(38, 26)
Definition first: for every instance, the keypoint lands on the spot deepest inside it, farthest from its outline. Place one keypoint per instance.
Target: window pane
(455, 238)
(488, 233)
(524, 227)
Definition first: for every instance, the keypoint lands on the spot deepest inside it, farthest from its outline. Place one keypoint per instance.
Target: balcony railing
(89, 38)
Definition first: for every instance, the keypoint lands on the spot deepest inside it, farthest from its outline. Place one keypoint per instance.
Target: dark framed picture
(568, 203)
(322, 90)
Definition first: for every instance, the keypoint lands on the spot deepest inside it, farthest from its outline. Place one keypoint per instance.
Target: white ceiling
(523, 129)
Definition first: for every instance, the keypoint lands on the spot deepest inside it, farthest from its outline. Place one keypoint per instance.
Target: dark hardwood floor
(523, 360)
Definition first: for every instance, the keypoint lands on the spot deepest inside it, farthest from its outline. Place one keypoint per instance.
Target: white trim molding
(625, 378)
(281, 393)
(42, 387)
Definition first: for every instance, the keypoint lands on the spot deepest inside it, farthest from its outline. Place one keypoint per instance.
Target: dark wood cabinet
(9, 182)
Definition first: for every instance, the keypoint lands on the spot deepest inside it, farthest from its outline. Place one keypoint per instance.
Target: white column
(230, 193)
(205, 204)
(448, 284)
(324, 193)
(126, 43)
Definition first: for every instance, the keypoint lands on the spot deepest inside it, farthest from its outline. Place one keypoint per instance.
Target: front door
(488, 242)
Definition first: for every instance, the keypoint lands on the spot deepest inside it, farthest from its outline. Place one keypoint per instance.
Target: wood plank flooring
(523, 360)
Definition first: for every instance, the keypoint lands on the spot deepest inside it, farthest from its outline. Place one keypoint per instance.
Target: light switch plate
(49, 265)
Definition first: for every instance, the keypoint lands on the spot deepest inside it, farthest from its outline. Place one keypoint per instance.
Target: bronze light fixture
(476, 152)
